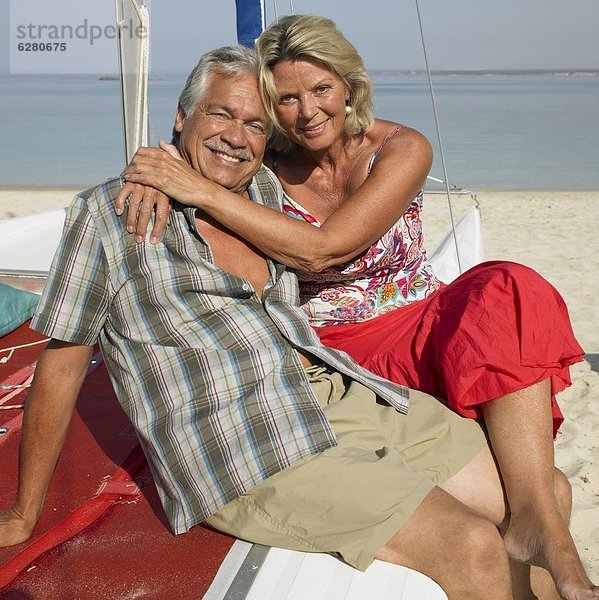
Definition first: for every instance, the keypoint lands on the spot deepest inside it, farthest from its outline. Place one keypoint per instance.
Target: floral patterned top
(393, 272)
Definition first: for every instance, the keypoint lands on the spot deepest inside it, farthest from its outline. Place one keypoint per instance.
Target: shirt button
(304, 384)
(246, 287)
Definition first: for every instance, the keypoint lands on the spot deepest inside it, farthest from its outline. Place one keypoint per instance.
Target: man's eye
(220, 116)
(256, 128)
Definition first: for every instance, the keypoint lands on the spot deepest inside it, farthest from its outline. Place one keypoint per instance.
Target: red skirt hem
(499, 328)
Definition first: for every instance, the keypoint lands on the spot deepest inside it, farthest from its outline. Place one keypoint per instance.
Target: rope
(441, 154)
(5, 359)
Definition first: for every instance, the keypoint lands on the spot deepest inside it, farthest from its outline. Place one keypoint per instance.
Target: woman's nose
(307, 107)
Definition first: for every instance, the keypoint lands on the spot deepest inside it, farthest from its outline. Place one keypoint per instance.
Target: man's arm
(58, 378)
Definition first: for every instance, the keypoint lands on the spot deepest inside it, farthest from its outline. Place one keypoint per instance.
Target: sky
(460, 34)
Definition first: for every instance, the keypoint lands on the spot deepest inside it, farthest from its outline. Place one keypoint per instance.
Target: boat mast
(133, 29)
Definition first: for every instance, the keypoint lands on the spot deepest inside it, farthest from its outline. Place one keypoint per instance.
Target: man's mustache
(241, 153)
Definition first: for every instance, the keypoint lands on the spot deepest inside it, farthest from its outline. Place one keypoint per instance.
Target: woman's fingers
(154, 203)
(119, 203)
(163, 210)
(146, 208)
(135, 201)
(140, 178)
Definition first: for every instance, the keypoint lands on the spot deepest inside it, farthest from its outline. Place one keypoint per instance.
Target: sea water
(499, 131)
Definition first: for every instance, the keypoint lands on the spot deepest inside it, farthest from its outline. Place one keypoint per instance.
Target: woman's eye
(321, 89)
(286, 99)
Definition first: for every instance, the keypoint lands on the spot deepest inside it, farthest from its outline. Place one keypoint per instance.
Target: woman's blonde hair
(317, 38)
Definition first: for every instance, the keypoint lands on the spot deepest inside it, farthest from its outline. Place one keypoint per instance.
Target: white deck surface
(287, 575)
(28, 243)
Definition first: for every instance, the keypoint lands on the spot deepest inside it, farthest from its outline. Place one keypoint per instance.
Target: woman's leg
(535, 582)
(520, 431)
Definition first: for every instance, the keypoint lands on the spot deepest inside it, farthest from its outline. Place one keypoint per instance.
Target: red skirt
(500, 327)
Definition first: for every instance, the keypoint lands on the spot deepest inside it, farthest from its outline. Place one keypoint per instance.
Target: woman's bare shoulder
(405, 136)
(406, 145)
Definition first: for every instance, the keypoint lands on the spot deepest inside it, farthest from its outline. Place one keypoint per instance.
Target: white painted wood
(287, 575)
(276, 580)
(29, 242)
(227, 571)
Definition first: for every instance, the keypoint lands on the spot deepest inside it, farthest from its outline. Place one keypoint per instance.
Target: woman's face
(311, 103)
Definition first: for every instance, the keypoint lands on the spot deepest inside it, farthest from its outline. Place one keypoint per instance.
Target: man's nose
(235, 134)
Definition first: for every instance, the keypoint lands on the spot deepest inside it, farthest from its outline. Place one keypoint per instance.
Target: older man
(247, 421)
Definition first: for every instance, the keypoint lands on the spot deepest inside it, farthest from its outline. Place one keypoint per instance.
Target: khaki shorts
(351, 499)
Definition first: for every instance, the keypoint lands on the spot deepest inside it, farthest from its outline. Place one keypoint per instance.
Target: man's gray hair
(229, 61)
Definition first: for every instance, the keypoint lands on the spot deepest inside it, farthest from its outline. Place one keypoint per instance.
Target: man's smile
(223, 151)
(226, 157)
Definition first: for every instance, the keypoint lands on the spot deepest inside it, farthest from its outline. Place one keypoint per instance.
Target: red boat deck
(102, 534)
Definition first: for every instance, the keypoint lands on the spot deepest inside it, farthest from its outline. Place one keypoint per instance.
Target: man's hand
(14, 528)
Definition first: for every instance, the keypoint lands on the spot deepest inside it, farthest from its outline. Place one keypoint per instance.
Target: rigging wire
(274, 4)
(441, 154)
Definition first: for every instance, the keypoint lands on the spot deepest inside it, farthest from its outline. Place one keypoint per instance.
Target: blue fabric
(250, 21)
(16, 306)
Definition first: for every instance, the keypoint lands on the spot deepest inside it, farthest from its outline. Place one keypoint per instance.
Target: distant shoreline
(462, 72)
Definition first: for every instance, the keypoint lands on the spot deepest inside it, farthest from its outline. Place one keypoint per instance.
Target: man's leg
(375, 496)
(460, 550)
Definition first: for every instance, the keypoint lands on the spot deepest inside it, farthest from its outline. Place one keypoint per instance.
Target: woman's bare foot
(541, 538)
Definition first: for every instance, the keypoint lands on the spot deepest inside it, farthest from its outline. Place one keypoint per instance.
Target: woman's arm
(396, 178)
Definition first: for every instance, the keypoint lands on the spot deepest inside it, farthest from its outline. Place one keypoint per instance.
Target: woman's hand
(143, 201)
(153, 176)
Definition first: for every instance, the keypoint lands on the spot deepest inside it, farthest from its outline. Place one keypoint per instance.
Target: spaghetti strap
(389, 136)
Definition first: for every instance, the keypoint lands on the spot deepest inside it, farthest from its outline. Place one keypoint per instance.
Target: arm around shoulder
(396, 177)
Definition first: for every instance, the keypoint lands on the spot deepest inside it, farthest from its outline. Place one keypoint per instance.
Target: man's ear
(179, 120)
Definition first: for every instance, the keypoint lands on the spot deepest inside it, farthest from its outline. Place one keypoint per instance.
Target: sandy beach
(556, 234)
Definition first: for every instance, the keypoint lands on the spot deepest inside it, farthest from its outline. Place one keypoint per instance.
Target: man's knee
(444, 538)
(478, 486)
(481, 548)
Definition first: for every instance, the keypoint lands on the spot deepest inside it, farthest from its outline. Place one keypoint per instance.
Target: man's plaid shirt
(206, 371)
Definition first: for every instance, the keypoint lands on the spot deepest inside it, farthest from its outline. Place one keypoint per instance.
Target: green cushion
(16, 306)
